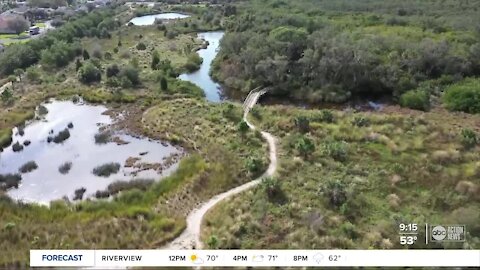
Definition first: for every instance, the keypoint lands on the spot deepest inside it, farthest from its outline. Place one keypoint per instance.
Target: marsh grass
(105, 170)
(103, 137)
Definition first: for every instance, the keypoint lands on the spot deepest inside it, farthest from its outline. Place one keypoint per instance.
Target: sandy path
(190, 238)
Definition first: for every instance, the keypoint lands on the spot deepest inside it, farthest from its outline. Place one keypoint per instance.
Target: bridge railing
(259, 91)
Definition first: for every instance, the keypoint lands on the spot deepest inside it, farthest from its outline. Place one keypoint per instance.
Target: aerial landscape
(236, 124)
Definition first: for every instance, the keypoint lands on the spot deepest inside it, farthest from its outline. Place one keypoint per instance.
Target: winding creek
(202, 77)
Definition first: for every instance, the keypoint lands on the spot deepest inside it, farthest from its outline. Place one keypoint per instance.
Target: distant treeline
(332, 50)
(58, 47)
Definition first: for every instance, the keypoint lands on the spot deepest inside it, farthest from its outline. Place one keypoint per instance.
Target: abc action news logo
(447, 233)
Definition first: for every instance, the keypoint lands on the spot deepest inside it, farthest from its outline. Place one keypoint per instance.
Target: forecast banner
(254, 258)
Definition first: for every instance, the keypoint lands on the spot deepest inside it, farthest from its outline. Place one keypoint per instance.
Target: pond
(202, 77)
(138, 157)
(150, 19)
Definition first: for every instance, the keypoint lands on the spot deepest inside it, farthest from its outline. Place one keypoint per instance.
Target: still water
(47, 183)
(150, 19)
(202, 77)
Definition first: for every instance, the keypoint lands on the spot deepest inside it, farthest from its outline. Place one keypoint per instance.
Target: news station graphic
(101, 259)
(447, 233)
(408, 233)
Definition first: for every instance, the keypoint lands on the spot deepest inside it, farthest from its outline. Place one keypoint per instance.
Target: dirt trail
(190, 238)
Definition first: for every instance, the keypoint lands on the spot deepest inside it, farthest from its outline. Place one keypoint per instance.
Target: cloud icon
(318, 257)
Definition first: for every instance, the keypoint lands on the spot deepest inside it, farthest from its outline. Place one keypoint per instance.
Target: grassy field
(367, 173)
(212, 131)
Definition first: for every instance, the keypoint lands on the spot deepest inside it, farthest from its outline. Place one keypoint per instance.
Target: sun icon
(195, 259)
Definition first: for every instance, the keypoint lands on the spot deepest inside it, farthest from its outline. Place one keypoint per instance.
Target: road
(190, 238)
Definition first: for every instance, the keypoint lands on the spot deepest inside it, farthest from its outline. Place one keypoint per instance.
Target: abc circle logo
(439, 233)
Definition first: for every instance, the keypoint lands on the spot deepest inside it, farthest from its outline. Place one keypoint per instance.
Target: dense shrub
(60, 54)
(141, 46)
(463, 96)
(8, 181)
(273, 189)
(61, 136)
(336, 150)
(102, 137)
(112, 70)
(131, 73)
(361, 121)
(303, 124)
(171, 34)
(163, 84)
(335, 190)
(65, 168)
(416, 99)
(101, 194)
(107, 169)
(97, 53)
(254, 165)
(324, 116)
(118, 186)
(194, 62)
(155, 60)
(469, 138)
(78, 195)
(28, 167)
(89, 73)
(243, 128)
(305, 146)
(17, 147)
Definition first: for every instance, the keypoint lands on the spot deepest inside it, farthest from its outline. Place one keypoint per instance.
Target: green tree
(469, 138)
(112, 70)
(132, 74)
(78, 64)
(336, 150)
(254, 165)
(13, 80)
(86, 55)
(303, 124)
(7, 96)
(32, 74)
(305, 147)
(273, 189)
(212, 242)
(243, 128)
(141, 46)
(59, 54)
(163, 84)
(89, 73)
(19, 73)
(155, 60)
(18, 25)
(335, 190)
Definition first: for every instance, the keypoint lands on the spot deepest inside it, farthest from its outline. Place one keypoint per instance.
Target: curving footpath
(190, 238)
